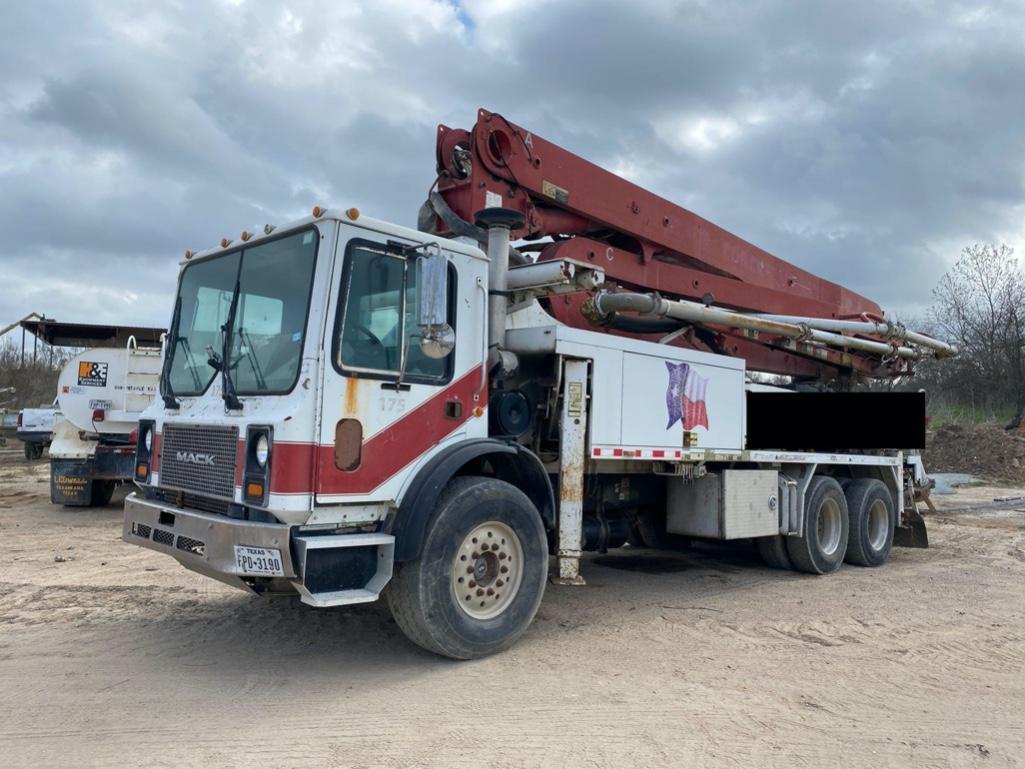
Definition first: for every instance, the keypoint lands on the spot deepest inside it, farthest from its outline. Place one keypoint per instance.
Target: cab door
(386, 404)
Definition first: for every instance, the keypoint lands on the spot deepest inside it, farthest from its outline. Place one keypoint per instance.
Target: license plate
(259, 561)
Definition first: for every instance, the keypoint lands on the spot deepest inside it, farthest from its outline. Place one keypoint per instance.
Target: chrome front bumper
(203, 542)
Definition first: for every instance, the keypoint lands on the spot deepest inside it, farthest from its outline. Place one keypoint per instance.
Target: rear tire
(822, 547)
(872, 520)
(486, 541)
(33, 451)
(650, 529)
(102, 492)
(773, 552)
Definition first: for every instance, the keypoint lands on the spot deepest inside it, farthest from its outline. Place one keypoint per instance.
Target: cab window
(378, 334)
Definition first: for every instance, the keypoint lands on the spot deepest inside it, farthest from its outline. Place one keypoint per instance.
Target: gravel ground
(111, 655)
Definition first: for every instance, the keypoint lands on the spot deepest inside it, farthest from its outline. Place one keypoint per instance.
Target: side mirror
(437, 338)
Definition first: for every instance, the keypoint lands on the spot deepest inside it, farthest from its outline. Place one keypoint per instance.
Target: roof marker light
(188, 254)
(268, 229)
(352, 213)
(225, 242)
(317, 212)
(245, 236)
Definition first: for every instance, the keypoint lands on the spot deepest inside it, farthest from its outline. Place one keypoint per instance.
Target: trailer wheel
(773, 552)
(872, 520)
(822, 547)
(33, 451)
(481, 574)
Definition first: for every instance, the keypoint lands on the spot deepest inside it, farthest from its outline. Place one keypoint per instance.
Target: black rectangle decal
(835, 421)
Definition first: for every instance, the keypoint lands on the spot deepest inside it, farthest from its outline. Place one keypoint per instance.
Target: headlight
(147, 439)
(262, 451)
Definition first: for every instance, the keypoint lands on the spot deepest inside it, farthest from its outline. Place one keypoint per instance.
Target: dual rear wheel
(853, 524)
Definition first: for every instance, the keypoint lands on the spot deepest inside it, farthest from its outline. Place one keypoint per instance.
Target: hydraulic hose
(435, 206)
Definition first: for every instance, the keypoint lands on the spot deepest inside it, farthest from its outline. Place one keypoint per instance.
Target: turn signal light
(142, 471)
(99, 415)
(254, 490)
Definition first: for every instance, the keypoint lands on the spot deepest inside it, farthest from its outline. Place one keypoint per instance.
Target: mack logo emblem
(195, 459)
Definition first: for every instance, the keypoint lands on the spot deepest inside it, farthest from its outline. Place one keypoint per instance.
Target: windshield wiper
(254, 362)
(166, 390)
(231, 401)
(191, 362)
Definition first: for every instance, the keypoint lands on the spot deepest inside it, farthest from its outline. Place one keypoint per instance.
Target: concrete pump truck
(352, 409)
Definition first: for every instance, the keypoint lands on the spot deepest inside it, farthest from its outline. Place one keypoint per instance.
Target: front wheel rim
(487, 570)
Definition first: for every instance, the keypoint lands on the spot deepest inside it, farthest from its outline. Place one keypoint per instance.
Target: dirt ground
(984, 450)
(111, 655)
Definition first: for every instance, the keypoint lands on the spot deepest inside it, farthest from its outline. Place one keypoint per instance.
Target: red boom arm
(641, 240)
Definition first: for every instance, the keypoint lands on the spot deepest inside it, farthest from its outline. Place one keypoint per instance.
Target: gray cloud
(866, 142)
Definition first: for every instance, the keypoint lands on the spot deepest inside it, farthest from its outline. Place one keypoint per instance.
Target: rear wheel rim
(828, 527)
(487, 570)
(878, 524)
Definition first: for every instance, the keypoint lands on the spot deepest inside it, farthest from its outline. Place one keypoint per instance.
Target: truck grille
(192, 501)
(199, 459)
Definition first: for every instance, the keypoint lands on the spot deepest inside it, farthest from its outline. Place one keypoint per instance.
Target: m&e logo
(92, 374)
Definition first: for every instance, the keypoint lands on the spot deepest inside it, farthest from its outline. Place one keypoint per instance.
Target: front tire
(821, 549)
(480, 576)
(872, 521)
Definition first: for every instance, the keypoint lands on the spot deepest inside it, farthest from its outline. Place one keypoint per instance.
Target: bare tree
(980, 304)
(29, 380)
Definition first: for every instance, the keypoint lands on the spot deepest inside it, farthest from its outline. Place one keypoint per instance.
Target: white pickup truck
(35, 430)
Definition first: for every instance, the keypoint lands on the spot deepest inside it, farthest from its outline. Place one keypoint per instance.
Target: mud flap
(71, 482)
(913, 532)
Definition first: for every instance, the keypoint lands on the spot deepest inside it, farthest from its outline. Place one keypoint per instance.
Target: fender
(511, 462)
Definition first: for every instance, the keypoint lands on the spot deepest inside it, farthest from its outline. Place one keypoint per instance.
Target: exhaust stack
(499, 223)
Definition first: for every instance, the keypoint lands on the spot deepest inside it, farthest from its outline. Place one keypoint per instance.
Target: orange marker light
(478, 411)
(352, 213)
(142, 470)
(254, 489)
(225, 242)
(317, 211)
(188, 254)
(245, 236)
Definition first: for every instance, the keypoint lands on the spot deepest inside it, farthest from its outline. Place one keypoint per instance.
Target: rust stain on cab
(351, 402)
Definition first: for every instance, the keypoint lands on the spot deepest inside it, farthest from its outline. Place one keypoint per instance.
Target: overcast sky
(865, 141)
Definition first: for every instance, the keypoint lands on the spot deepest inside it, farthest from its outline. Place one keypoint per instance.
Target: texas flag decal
(685, 397)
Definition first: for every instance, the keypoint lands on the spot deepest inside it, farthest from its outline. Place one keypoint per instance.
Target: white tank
(119, 382)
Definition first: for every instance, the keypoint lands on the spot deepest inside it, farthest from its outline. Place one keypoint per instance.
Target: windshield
(274, 282)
